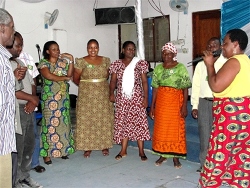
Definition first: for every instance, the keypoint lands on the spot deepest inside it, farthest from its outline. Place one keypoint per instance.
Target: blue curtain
(236, 14)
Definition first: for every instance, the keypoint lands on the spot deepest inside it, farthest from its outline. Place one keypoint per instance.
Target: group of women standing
(96, 128)
(99, 124)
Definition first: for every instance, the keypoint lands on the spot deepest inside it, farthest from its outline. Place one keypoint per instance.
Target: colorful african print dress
(169, 135)
(228, 158)
(94, 111)
(130, 116)
(56, 133)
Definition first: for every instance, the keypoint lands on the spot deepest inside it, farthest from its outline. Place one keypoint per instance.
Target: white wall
(76, 18)
(185, 22)
(77, 22)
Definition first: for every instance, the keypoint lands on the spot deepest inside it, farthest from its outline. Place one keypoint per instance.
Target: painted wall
(75, 24)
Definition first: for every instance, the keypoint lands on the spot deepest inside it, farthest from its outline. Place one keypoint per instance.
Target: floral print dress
(94, 111)
(56, 135)
(130, 116)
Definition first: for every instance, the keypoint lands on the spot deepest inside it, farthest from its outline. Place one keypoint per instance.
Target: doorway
(206, 24)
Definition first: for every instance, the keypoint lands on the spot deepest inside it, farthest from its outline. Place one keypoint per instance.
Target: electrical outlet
(180, 41)
(185, 50)
(174, 42)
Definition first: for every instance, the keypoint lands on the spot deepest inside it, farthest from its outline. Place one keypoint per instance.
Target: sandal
(160, 161)
(119, 157)
(143, 158)
(47, 160)
(105, 152)
(65, 157)
(177, 163)
(87, 154)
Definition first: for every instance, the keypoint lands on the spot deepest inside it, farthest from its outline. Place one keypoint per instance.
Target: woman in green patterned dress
(56, 70)
(170, 84)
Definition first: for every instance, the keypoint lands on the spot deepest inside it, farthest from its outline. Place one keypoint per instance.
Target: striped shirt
(7, 104)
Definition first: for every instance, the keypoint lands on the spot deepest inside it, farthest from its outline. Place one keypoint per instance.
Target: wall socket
(178, 42)
(182, 50)
(185, 50)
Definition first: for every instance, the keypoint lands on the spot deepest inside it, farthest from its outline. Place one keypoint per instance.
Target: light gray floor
(104, 171)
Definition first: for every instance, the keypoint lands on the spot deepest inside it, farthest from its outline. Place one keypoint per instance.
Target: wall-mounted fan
(178, 5)
(51, 18)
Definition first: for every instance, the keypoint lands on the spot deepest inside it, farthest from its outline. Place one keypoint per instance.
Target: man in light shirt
(27, 101)
(29, 62)
(202, 99)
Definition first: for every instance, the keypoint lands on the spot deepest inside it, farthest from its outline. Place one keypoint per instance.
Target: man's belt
(209, 98)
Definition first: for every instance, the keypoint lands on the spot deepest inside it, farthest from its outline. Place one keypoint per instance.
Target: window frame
(153, 46)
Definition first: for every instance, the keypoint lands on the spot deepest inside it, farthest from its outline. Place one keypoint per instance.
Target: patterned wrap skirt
(169, 135)
(228, 158)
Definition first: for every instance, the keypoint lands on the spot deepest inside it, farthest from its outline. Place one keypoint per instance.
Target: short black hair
(240, 36)
(46, 47)
(125, 44)
(215, 39)
(93, 40)
(16, 34)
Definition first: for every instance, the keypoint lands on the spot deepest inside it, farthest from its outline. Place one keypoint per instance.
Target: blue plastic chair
(39, 116)
(150, 93)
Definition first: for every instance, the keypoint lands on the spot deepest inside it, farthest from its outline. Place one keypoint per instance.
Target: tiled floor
(100, 171)
(105, 172)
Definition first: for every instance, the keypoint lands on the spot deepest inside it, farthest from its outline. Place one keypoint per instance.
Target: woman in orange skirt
(169, 107)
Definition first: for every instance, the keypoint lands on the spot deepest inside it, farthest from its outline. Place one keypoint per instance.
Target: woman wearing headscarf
(170, 84)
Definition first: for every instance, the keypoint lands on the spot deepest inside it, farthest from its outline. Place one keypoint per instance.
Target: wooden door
(206, 24)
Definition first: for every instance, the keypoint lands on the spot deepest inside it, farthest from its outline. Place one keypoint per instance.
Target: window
(156, 34)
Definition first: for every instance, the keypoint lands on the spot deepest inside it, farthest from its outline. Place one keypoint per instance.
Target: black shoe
(29, 182)
(46, 161)
(39, 169)
(65, 157)
(199, 170)
(144, 158)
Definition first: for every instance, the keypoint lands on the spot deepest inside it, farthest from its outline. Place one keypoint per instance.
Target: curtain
(236, 14)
